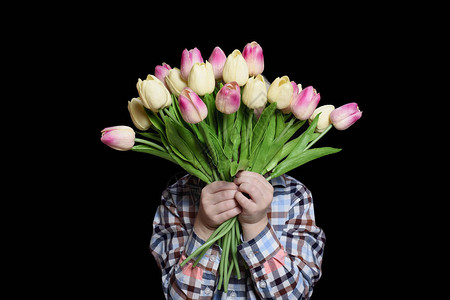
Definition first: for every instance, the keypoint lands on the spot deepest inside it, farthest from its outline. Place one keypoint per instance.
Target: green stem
(208, 244)
(319, 137)
(169, 113)
(151, 144)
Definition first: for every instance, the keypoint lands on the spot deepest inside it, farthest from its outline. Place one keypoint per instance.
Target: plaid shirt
(283, 260)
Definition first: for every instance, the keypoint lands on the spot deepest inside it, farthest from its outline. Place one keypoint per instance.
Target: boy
(281, 247)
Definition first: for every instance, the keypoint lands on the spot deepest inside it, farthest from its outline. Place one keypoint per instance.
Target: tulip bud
(217, 60)
(345, 116)
(188, 59)
(228, 99)
(201, 78)
(174, 82)
(235, 68)
(324, 118)
(153, 93)
(297, 88)
(118, 137)
(138, 114)
(280, 91)
(193, 109)
(161, 72)
(253, 55)
(254, 95)
(304, 104)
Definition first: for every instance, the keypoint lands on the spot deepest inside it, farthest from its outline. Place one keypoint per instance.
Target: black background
(350, 57)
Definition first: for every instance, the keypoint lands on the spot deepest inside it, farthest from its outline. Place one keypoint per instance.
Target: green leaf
(304, 138)
(150, 135)
(156, 121)
(258, 159)
(246, 137)
(210, 102)
(261, 125)
(299, 159)
(280, 123)
(234, 168)
(190, 168)
(228, 126)
(152, 151)
(200, 159)
(236, 136)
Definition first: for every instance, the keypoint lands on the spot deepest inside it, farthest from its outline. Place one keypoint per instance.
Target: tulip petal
(345, 116)
(118, 137)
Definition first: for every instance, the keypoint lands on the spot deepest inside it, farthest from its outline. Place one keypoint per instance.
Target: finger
(226, 205)
(243, 178)
(223, 196)
(229, 214)
(259, 177)
(252, 190)
(217, 186)
(243, 201)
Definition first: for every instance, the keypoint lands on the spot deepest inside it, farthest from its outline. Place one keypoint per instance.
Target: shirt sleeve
(287, 265)
(171, 242)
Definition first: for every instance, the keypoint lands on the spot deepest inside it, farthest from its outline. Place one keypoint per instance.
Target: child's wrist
(251, 230)
(202, 231)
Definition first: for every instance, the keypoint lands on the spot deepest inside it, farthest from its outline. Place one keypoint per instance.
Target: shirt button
(262, 284)
(250, 255)
(232, 295)
(212, 258)
(207, 291)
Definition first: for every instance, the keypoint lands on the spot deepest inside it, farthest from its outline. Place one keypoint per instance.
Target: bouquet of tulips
(221, 116)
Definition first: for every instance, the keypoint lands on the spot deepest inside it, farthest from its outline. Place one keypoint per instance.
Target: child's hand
(217, 204)
(253, 218)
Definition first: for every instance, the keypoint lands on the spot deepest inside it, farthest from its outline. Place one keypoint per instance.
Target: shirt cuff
(210, 261)
(261, 248)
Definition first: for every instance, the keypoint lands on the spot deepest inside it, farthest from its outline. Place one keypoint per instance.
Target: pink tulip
(304, 103)
(217, 60)
(118, 137)
(345, 116)
(294, 95)
(193, 109)
(253, 55)
(188, 59)
(228, 99)
(161, 72)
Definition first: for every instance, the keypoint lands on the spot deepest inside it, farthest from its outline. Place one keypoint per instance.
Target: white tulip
(153, 93)
(235, 68)
(138, 114)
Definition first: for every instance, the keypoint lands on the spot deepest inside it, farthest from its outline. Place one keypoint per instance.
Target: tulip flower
(153, 93)
(118, 137)
(345, 116)
(138, 114)
(253, 55)
(254, 95)
(217, 60)
(235, 68)
(201, 78)
(175, 82)
(324, 118)
(228, 99)
(193, 109)
(304, 103)
(280, 91)
(161, 72)
(188, 59)
(297, 88)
